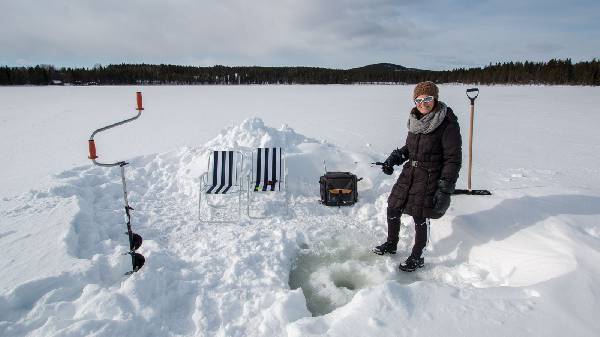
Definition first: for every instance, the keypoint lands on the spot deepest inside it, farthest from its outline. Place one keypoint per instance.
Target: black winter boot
(386, 247)
(411, 264)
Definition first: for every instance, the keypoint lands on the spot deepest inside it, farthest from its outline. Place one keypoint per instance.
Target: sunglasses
(427, 99)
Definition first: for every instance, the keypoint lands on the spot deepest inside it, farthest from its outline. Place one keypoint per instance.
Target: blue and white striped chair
(269, 174)
(222, 178)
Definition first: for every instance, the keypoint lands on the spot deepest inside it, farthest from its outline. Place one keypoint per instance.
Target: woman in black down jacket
(433, 158)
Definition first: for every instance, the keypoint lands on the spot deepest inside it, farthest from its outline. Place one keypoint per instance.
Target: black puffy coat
(433, 156)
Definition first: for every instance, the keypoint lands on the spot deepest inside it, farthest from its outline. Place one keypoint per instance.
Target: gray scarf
(429, 122)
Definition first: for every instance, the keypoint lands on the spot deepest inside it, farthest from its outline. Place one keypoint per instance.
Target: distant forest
(553, 72)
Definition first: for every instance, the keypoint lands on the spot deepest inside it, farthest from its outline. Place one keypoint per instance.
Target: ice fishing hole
(344, 284)
(330, 273)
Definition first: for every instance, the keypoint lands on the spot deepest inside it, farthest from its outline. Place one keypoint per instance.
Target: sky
(426, 34)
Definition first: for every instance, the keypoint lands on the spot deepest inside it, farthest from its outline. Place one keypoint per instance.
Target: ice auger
(135, 240)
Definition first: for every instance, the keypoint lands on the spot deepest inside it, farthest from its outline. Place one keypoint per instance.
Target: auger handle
(92, 148)
(139, 101)
(92, 145)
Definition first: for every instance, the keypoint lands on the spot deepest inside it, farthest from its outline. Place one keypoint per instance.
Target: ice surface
(520, 262)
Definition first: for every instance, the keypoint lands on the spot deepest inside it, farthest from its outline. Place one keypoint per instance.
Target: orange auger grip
(92, 147)
(139, 101)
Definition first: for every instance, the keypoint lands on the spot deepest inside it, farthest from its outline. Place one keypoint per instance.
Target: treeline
(553, 72)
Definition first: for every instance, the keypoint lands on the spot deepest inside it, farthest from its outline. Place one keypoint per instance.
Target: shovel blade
(473, 192)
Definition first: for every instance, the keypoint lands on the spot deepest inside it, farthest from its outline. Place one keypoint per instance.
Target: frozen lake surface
(520, 262)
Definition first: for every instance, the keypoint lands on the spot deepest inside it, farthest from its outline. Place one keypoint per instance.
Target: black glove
(397, 157)
(441, 198)
(387, 168)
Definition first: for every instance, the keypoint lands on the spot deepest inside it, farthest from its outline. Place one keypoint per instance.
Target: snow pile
(513, 261)
(253, 133)
(195, 274)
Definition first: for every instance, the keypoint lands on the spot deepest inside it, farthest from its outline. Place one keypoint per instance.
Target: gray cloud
(336, 33)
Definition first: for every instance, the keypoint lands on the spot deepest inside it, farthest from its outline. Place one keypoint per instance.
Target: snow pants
(421, 231)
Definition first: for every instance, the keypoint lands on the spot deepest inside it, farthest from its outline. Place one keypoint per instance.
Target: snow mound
(253, 133)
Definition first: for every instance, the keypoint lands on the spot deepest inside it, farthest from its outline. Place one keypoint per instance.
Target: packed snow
(523, 261)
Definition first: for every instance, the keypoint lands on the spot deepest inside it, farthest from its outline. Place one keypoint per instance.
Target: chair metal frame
(236, 188)
(283, 180)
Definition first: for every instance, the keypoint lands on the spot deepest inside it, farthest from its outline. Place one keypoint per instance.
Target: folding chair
(221, 179)
(269, 174)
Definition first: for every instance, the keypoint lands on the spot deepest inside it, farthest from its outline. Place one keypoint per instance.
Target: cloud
(335, 33)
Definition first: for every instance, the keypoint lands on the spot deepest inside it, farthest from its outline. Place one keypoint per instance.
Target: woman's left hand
(441, 198)
(441, 202)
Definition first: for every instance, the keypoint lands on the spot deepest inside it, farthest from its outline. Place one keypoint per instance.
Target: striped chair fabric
(268, 170)
(224, 173)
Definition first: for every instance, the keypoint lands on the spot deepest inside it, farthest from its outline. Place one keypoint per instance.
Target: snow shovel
(470, 191)
(135, 240)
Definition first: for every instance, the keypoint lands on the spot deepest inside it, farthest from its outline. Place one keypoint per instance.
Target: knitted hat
(426, 88)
